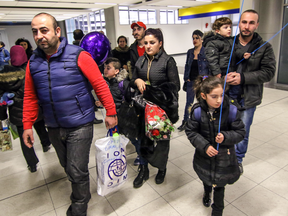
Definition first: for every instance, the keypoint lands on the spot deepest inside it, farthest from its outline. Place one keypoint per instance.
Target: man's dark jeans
(72, 146)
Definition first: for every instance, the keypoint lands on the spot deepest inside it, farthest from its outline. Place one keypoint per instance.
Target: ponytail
(205, 84)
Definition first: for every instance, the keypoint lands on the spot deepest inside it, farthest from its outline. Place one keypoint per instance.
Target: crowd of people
(52, 88)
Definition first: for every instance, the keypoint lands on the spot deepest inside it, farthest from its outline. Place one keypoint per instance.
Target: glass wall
(148, 16)
(94, 21)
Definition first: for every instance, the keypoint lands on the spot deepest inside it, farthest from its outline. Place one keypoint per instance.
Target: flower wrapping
(157, 124)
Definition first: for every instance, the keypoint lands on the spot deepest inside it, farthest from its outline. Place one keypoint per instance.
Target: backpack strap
(197, 114)
(231, 116)
(121, 87)
(232, 113)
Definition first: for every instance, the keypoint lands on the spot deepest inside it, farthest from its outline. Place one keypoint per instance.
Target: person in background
(122, 52)
(26, 45)
(62, 75)
(137, 49)
(4, 55)
(196, 63)
(12, 79)
(77, 35)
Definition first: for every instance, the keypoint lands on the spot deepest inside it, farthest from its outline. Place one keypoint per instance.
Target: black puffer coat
(217, 51)
(12, 80)
(223, 168)
(162, 68)
(116, 90)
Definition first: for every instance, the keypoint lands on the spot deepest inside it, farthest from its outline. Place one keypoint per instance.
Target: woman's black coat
(223, 168)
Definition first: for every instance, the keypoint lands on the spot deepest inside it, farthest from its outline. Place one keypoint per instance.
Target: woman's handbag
(111, 164)
(128, 120)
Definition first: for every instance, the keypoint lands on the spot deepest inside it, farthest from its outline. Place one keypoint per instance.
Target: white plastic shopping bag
(111, 163)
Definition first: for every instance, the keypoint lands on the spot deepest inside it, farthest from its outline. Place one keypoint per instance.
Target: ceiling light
(175, 6)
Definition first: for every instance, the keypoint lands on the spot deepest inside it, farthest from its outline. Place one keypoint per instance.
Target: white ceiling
(24, 10)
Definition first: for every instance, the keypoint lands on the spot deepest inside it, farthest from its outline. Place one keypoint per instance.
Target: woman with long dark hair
(196, 63)
(26, 45)
(154, 70)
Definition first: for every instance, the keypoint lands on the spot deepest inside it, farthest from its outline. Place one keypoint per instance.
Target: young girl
(215, 168)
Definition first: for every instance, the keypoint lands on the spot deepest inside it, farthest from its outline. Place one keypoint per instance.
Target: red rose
(155, 132)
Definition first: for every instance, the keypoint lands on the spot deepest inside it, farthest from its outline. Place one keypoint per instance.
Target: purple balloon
(98, 45)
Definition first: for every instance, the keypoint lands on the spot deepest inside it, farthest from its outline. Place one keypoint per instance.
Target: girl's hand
(219, 138)
(141, 85)
(211, 151)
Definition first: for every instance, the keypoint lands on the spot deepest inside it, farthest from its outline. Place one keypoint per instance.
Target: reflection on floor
(261, 190)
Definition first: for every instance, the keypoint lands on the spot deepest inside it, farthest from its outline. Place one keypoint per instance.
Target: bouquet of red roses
(157, 124)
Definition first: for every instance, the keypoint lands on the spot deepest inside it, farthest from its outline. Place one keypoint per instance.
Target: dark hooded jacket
(122, 54)
(256, 70)
(118, 90)
(223, 168)
(217, 51)
(12, 80)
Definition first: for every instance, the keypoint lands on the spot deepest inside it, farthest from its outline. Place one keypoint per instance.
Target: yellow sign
(221, 8)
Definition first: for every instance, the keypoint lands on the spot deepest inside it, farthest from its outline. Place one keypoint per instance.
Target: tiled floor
(261, 190)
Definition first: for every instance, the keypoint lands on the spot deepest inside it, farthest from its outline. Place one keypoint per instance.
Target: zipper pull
(228, 152)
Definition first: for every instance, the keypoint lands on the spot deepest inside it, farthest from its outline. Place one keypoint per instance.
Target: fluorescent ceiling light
(175, 6)
(105, 3)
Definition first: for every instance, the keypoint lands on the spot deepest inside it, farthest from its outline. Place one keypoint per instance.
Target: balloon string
(227, 73)
(264, 43)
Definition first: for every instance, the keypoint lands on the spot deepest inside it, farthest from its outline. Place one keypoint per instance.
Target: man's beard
(245, 35)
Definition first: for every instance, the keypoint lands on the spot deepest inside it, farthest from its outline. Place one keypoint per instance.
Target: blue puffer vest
(63, 91)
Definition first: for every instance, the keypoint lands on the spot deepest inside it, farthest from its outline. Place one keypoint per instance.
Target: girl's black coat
(223, 168)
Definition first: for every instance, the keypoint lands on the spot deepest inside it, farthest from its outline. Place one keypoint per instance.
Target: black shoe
(97, 121)
(206, 199)
(143, 175)
(46, 148)
(159, 179)
(32, 168)
(240, 168)
(182, 126)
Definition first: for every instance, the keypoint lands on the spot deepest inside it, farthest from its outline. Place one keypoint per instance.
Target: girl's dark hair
(122, 36)
(220, 22)
(205, 84)
(157, 33)
(115, 62)
(2, 43)
(29, 50)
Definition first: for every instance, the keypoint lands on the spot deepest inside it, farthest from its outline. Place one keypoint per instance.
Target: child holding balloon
(215, 160)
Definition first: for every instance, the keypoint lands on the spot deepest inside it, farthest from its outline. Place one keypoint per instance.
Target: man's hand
(233, 78)
(211, 151)
(111, 121)
(247, 55)
(219, 138)
(28, 138)
(98, 103)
